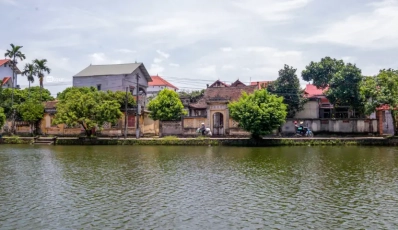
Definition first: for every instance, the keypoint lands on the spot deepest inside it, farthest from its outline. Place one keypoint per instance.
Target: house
(6, 82)
(6, 73)
(261, 84)
(317, 106)
(157, 84)
(115, 77)
(213, 107)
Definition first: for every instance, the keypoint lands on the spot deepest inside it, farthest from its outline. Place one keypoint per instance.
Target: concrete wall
(171, 128)
(191, 124)
(235, 130)
(387, 122)
(310, 110)
(354, 126)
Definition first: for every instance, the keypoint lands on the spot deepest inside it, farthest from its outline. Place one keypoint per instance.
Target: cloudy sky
(192, 43)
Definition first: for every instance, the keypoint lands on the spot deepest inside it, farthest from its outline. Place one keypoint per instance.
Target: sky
(192, 43)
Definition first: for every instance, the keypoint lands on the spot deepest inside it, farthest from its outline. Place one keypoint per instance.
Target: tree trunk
(87, 131)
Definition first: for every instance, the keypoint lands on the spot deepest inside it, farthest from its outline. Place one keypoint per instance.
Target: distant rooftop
(113, 69)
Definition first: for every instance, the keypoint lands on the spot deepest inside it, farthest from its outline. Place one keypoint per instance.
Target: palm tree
(29, 71)
(14, 53)
(41, 68)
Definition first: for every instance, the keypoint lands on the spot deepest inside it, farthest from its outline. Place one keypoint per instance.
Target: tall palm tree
(14, 53)
(29, 71)
(41, 68)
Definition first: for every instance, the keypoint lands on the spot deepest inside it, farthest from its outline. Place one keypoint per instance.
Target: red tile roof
(312, 90)
(5, 80)
(4, 61)
(50, 104)
(158, 81)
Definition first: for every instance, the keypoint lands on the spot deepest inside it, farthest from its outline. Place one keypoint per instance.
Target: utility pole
(125, 115)
(137, 131)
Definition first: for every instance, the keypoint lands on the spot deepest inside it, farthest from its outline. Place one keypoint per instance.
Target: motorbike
(302, 131)
(206, 133)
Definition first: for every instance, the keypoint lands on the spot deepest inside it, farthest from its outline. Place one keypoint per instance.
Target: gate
(218, 124)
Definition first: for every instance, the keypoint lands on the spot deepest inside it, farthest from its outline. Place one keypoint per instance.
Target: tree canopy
(258, 113)
(321, 73)
(344, 87)
(167, 106)
(192, 95)
(86, 107)
(20, 96)
(381, 90)
(31, 111)
(288, 86)
(2, 117)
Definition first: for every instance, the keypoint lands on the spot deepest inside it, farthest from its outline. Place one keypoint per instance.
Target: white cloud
(226, 49)
(126, 51)
(271, 10)
(208, 70)
(157, 60)
(368, 30)
(101, 58)
(174, 65)
(227, 67)
(163, 54)
(11, 2)
(156, 69)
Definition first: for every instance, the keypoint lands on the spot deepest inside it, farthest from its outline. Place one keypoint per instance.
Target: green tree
(344, 88)
(72, 90)
(31, 111)
(14, 54)
(258, 113)
(41, 69)
(20, 96)
(321, 73)
(167, 106)
(89, 109)
(381, 90)
(192, 95)
(2, 117)
(29, 71)
(288, 86)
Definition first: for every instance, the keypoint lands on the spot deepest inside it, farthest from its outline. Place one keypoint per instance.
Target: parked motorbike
(206, 133)
(302, 131)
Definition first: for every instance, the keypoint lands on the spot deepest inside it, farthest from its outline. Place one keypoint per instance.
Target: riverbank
(244, 142)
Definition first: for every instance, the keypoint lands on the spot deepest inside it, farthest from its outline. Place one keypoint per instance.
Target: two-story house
(158, 83)
(6, 69)
(115, 77)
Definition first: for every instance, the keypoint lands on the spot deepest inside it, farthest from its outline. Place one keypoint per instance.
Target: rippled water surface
(129, 187)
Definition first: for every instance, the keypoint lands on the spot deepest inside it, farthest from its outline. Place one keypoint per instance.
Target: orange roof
(261, 83)
(312, 90)
(4, 61)
(5, 80)
(158, 81)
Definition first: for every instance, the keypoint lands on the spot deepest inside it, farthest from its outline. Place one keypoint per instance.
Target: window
(99, 87)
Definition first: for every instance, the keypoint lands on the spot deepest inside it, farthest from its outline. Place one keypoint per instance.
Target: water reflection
(174, 187)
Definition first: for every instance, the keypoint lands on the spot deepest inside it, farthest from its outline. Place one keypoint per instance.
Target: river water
(158, 187)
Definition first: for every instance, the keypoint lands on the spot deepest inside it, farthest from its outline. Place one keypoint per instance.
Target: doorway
(218, 124)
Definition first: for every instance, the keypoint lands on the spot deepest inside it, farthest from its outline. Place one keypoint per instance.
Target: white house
(6, 73)
(115, 77)
(157, 84)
